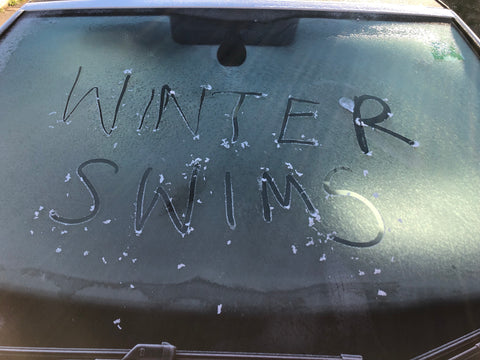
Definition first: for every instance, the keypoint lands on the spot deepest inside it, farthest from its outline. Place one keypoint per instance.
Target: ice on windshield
(138, 169)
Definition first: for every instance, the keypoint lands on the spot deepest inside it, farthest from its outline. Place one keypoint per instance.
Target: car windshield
(286, 182)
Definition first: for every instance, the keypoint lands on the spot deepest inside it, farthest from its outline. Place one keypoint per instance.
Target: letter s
(373, 209)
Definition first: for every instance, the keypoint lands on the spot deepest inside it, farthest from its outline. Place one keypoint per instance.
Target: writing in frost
(268, 185)
(167, 95)
(183, 224)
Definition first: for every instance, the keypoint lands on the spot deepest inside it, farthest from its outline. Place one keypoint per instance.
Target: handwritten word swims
(183, 224)
(167, 95)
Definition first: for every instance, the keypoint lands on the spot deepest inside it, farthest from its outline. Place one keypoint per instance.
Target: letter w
(97, 98)
(141, 217)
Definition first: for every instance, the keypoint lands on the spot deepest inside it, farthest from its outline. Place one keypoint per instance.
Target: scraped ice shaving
(125, 254)
(310, 242)
(63, 232)
(161, 178)
(225, 144)
(92, 207)
(245, 144)
(229, 242)
(103, 259)
(298, 173)
(289, 166)
(207, 159)
(127, 71)
(115, 145)
(86, 252)
(294, 249)
(392, 259)
(108, 221)
(132, 286)
(323, 258)
(68, 177)
(377, 271)
(390, 115)
(361, 273)
(58, 250)
(381, 293)
(206, 87)
(117, 322)
(365, 172)
(196, 137)
(219, 309)
(180, 266)
(416, 144)
(369, 153)
(85, 228)
(346, 103)
(199, 201)
(134, 260)
(40, 208)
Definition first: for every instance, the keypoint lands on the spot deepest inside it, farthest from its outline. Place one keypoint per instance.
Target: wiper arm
(164, 351)
(464, 348)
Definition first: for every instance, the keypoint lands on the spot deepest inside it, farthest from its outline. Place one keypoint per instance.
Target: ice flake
(115, 145)
(229, 242)
(298, 173)
(207, 160)
(323, 258)
(63, 232)
(219, 309)
(127, 71)
(311, 221)
(108, 221)
(52, 113)
(310, 242)
(347, 103)
(92, 207)
(415, 144)
(361, 273)
(125, 254)
(41, 208)
(245, 144)
(365, 172)
(68, 177)
(86, 252)
(196, 137)
(180, 266)
(206, 87)
(132, 286)
(381, 293)
(85, 228)
(390, 115)
(225, 144)
(377, 271)
(58, 250)
(199, 201)
(369, 153)
(36, 213)
(103, 259)
(161, 178)
(294, 249)
(134, 260)
(392, 259)
(289, 166)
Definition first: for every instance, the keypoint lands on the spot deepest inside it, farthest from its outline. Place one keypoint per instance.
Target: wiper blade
(464, 348)
(151, 352)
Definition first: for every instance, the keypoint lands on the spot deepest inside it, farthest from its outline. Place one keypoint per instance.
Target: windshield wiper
(164, 351)
(464, 348)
